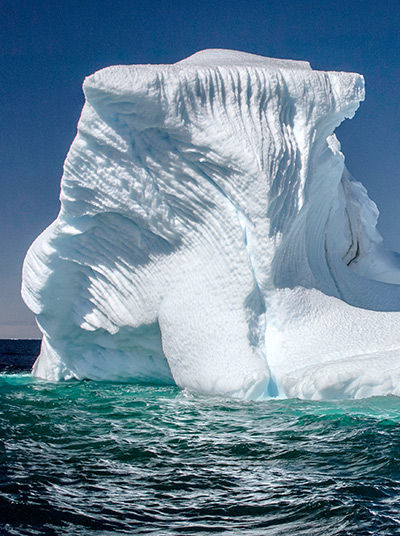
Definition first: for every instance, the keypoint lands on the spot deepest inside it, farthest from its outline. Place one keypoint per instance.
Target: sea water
(98, 458)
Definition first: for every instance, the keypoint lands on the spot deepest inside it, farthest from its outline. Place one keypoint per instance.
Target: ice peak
(218, 57)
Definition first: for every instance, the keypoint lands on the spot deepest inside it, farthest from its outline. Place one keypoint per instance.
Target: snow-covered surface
(210, 235)
(218, 57)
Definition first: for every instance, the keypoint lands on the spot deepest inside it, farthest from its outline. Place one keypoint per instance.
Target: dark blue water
(91, 458)
(18, 355)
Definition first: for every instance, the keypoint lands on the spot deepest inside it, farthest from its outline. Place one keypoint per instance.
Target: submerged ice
(210, 235)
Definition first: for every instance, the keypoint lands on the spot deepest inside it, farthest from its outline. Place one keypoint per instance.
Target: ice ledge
(129, 83)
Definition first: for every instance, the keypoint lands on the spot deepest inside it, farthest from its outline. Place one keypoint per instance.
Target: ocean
(100, 458)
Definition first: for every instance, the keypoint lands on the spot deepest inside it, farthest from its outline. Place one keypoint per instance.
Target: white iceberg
(210, 235)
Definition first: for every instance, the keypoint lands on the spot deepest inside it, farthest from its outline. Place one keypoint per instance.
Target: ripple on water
(100, 458)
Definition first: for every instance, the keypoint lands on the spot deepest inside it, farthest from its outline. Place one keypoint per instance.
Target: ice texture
(210, 235)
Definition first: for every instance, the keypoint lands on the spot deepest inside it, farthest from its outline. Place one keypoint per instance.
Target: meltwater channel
(98, 458)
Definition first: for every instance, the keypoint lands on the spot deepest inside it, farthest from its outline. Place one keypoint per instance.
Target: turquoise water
(91, 458)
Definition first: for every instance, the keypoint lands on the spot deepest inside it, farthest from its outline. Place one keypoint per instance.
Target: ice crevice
(210, 235)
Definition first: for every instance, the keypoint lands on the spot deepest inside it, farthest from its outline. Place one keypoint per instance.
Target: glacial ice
(210, 235)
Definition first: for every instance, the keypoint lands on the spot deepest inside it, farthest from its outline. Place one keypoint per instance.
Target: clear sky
(48, 47)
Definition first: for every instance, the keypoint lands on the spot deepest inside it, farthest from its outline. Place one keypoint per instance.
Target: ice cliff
(210, 235)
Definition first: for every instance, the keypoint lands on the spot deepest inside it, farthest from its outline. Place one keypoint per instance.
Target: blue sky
(47, 48)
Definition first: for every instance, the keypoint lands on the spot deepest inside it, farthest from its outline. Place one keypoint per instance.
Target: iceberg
(211, 236)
